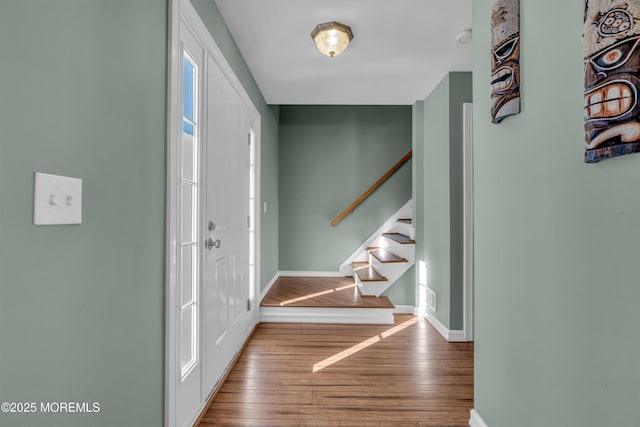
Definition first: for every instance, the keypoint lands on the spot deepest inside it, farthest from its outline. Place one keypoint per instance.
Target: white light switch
(57, 200)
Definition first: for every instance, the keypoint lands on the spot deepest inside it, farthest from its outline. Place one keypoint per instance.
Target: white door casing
(468, 271)
(186, 395)
(187, 309)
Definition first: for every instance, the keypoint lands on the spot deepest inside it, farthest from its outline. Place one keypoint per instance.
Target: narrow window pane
(187, 109)
(252, 189)
(187, 267)
(252, 249)
(252, 217)
(188, 214)
(188, 171)
(187, 128)
(187, 337)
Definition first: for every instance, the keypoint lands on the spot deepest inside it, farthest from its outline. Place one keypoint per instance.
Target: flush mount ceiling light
(332, 37)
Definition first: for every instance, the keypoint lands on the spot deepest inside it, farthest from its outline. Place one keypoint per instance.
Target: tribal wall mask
(505, 59)
(612, 78)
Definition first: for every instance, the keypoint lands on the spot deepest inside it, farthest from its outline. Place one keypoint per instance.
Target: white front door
(212, 226)
(227, 223)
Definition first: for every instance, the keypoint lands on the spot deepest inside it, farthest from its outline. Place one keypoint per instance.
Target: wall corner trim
(451, 336)
(475, 420)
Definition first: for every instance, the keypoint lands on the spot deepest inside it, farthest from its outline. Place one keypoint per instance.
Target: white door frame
(467, 257)
(181, 12)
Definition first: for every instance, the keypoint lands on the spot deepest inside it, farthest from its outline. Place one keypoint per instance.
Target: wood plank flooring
(347, 375)
(334, 292)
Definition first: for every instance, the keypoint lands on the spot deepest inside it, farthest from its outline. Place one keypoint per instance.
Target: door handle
(213, 243)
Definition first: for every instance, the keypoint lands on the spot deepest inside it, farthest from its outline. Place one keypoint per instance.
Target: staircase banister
(373, 188)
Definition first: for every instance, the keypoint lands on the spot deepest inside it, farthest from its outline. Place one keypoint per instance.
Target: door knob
(213, 243)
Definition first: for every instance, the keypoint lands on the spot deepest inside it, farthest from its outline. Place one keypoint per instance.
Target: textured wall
(83, 94)
(556, 244)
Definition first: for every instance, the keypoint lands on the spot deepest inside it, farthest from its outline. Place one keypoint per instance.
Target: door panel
(226, 268)
(222, 302)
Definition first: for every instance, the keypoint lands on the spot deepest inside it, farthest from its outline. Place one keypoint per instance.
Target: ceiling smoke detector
(465, 37)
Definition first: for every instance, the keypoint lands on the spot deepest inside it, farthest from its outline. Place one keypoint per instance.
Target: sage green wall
(83, 92)
(460, 91)
(210, 15)
(439, 194)
(328, 156)
(556, 243)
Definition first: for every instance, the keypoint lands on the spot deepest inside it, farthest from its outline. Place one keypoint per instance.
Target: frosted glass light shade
(332, 37)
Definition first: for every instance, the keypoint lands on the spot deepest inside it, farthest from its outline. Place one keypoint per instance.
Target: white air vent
(431, 299)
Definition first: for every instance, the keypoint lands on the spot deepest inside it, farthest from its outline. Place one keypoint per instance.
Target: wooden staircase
(386, 255)
(354, 295)
(375, 265)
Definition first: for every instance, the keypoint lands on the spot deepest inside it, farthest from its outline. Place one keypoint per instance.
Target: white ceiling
(400, 51)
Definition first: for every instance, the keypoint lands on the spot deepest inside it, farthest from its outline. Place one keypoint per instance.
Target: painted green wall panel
(83, 93)
(210, 15)
(329, 155)
(438, 130)
(556, 243)
(433, 226)
(403, 291)
(460, 91)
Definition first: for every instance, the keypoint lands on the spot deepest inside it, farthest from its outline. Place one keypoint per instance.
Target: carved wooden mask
(612, 78)
(505, 59)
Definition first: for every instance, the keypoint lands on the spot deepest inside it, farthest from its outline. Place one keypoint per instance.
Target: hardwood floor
(347, 375)
(335, 292)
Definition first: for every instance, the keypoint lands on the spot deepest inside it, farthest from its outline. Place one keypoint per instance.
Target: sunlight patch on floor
(361, 346)
(317, 294)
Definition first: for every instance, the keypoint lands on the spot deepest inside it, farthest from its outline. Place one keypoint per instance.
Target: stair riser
(402, 228)
(403, 251)
(373, 288)
(327, 315)
(391, 271)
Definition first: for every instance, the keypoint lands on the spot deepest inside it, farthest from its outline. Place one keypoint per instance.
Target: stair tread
(400, 238)
(366, 273)
(385, 256)
(405, 220)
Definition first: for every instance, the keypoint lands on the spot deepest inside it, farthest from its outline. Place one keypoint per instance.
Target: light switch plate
(57, 200)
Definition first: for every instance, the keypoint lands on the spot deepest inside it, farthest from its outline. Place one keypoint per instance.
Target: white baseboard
(310, 274)
(451, 336)
(263, 293)
(376, 316)
(404, 309)
(457, 336)
(475, 420)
